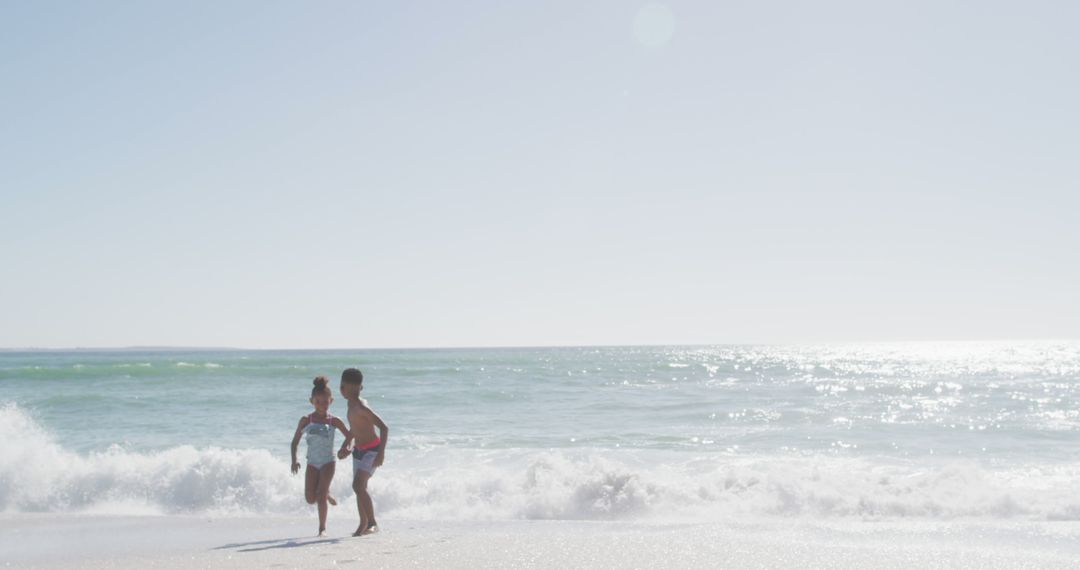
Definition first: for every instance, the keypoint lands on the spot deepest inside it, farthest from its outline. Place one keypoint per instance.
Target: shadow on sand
(277, 543)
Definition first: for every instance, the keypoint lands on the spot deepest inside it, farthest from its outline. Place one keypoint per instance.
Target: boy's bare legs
(370, 509)
(363, 501)
(322, 492)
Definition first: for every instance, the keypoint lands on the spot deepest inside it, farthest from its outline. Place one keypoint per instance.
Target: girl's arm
(384, 434)
(347, 444)
(296, 443)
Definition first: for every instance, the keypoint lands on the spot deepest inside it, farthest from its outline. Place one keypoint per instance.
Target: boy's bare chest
(359, 418)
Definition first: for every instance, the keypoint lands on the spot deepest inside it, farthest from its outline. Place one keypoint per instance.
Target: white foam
(586, 485)
(182, 364)
(37, 474)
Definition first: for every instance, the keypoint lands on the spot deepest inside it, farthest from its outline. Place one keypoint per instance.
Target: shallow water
(984, 430)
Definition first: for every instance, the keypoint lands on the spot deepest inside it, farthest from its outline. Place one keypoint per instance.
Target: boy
(368, 448)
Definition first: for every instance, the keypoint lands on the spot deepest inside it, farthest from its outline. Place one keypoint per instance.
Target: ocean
(841, 432)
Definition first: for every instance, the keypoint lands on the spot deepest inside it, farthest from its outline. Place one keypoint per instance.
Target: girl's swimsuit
(363, 457)
(320, 441)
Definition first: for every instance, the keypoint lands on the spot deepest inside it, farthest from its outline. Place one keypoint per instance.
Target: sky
(271, 174)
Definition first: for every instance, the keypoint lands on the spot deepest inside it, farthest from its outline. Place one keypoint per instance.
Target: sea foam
(37, 474)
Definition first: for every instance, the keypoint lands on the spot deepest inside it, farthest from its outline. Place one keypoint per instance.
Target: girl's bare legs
(322, 492)
(311, 482)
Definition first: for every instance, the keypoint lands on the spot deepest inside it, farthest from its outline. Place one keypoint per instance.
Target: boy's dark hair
(320, 386)
(352, 376)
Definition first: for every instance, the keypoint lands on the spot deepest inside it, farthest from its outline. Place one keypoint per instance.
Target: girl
(319, 428)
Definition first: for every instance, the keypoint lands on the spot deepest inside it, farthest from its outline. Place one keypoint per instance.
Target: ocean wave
(589, 486)
(182, 364)
(37, 474)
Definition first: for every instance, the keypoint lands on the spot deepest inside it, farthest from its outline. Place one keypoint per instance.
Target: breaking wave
(37, 474)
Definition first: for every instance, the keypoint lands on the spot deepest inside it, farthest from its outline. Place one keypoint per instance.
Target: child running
(319, 428)
(369, 450)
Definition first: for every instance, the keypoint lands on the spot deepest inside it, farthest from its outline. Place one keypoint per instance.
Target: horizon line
(499, 347)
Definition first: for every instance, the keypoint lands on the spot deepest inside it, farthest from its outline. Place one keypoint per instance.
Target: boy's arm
(347, 444)
(296, 442)
(384, 434)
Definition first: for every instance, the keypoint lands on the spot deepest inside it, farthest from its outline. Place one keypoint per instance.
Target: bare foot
(330, 499)
(370, 530)
(358, 532)
(322, 532)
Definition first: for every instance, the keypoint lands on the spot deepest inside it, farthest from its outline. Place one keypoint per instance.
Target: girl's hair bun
(320, 386)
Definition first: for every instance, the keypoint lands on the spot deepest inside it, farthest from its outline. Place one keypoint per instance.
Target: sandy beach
(52, 541)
